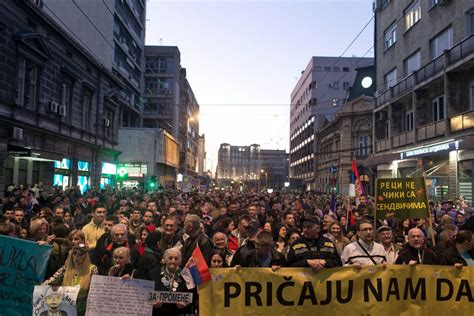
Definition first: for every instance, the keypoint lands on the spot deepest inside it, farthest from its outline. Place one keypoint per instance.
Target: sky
(244, 57)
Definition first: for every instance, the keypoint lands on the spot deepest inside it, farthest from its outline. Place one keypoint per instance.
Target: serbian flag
(196, 271)
(359, 189)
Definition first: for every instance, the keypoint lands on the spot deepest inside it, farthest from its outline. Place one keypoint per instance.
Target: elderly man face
(119, 235)
(170, 227)
(220, 240)
(416, 238)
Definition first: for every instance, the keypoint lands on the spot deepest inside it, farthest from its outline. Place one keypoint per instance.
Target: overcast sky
(243, 58)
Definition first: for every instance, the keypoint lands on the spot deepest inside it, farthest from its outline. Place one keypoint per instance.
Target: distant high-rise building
(318, 95)
(114, 32)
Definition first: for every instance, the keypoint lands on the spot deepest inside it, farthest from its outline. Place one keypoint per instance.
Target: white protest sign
(52, 300)
(170, 297)
(112, 296)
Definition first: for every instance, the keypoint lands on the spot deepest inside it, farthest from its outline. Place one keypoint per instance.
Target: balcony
(382, 145)
(434, 67)
(402, 139)
(462, 121)
(432, 130)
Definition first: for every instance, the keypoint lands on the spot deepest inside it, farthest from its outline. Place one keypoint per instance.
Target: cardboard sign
(170, 297)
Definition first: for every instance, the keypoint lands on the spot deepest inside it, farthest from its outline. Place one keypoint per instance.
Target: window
(327, 68)
(345, 85)
(471, 95)
(335, 85)
(470, 22)
(337, 69)
(438, 108)
(27, 83)
(441, 42)
(390, 36)
(86, 112)
(409, 120)
(20, 90)
(433, 3)
(390, 78)
(345, 69)
(412, 14)
(66, 96)
(317, 68)
(412, 63)
(362, 145)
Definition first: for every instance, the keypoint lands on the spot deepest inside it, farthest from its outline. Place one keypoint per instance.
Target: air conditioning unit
(62, 110)
(17, 133)
(53, 107)
(106, 122)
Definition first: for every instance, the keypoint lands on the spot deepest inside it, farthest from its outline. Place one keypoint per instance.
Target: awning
(28, 153)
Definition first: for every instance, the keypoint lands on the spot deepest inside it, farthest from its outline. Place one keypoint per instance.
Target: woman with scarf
(77, 270)
(168, 279)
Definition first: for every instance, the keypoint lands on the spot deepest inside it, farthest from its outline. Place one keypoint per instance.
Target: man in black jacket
(414, 252)
(194, 237)
(312, 249)
(458, 255)
(264, 255)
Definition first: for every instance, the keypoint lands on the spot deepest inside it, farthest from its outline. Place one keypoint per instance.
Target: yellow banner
(396, 290)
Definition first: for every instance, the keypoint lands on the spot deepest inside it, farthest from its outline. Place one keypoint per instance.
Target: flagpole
(375, 210)
(429, 217)
(348, 215)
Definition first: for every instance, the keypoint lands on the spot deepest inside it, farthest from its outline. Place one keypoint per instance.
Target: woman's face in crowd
(267, 227)
(172, 260)
(335, 230)
(78, 256)
(216, 261)
(231, 227)
(76, 239)
(282, 232)
(144, 235)
(406, 223)
(67, 216)
(43, 230)
(120, 258)
(23, 233)
(293, 237)
(42, 213)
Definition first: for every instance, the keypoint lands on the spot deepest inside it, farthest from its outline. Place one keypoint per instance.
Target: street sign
(333, 169)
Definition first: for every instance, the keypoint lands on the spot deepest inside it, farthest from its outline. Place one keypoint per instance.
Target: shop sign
(429, 150)
(18, 151)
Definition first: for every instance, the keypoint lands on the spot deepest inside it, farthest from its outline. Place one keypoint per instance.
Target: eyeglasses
(78, 253)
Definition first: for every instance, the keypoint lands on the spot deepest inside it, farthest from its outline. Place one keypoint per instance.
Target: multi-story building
(318, 95)
(425, 104)
(114, 32)
(59, 106)
(348, 137)
(188, 132)
(162, 88)
(274, 171)
(251, 167)
(201, 156)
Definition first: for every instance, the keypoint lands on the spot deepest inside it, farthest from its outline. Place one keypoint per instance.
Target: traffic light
(122, 173)
(152, 183)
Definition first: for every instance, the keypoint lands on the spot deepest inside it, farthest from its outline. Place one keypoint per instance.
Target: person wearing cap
(364, 251)
(312, 249)
(77, 270)
(385, 238)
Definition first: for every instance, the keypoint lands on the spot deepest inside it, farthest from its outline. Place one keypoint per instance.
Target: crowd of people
(130, 233)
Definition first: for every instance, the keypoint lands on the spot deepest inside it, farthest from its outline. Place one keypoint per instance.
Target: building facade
(162, 88)
(114, 32)
(318, 95)
(59, 106)
(148, 155)
(425, 103)
(348, 137)
(251, 167)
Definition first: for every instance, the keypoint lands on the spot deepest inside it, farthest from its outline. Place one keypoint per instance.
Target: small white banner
(170, 297)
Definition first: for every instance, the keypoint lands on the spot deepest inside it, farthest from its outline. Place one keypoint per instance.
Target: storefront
(83, 175)
(438, 164)
(107, 174)
(62, 173)
(131, 174)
